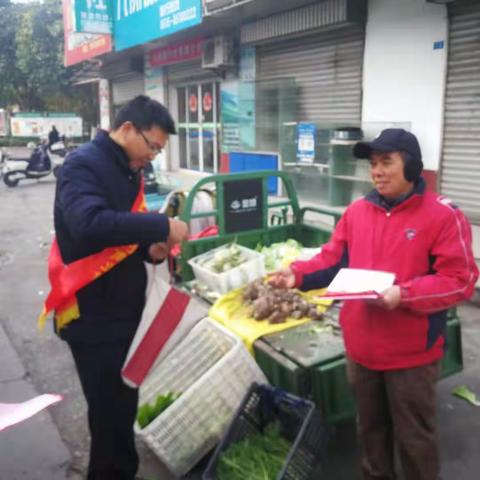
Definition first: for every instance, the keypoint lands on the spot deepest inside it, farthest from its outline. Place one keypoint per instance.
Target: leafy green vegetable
(148, 412)
(257, 457)
(465, 393)
(280, 254)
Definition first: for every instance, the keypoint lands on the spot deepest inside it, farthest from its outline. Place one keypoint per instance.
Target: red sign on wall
(81, 46)
(180, 52)
(193, 102)
(207, 102)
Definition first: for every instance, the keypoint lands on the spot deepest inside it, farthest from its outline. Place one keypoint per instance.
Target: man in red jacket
(394, 344)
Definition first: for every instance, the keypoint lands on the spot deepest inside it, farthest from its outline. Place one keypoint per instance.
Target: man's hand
(158, 251)
(390, 298)
(284, 278)
(178, 232)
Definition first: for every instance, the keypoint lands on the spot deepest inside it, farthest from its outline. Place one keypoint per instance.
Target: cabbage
(281, 254)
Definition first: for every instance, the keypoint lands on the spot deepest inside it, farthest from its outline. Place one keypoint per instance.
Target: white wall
(403, 76)
(155, 88)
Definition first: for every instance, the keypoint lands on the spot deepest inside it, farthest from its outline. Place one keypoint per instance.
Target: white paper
(357, 281)
(12, 413)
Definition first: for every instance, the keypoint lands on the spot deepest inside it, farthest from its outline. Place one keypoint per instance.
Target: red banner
(180, 52)
(81, 46)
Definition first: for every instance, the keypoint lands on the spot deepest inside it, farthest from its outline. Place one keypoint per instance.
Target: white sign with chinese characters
(93, 16)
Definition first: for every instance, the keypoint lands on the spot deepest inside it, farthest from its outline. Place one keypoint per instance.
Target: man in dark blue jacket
(53, 136)
(96, 189)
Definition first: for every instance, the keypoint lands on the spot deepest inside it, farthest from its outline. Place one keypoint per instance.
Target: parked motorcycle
(43, 161)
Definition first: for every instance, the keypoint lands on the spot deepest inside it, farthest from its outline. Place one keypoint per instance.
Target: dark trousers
(396, 406)
(112, 407)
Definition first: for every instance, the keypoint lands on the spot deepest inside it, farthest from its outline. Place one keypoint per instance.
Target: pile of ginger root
(276, 304)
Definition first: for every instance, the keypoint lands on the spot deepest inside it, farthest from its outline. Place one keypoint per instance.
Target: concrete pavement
(32, 450)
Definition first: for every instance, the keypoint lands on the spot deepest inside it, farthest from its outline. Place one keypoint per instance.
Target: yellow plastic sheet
(232, 313)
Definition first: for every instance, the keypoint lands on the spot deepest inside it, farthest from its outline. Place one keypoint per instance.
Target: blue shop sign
(306, 142)
(140, 21)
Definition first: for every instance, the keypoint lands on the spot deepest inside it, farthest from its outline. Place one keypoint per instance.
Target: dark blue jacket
(95, 193)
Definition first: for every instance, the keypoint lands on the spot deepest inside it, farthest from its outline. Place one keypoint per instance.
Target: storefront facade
(460, 167)
(302, 71)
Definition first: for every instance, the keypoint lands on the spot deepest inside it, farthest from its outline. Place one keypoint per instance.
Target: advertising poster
(37, 125)
(306, 142)
(81, 46)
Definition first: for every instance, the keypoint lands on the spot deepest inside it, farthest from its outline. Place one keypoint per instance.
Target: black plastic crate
(300, 423)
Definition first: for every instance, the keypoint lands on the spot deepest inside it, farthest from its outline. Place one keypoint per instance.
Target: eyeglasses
(153, 148)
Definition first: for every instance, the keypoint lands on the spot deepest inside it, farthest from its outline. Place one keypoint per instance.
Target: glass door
(198, 126)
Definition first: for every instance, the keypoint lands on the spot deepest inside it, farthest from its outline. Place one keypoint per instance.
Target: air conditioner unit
(213, 5)
(217, 52)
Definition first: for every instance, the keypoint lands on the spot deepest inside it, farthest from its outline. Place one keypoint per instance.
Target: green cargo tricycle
(246, 214)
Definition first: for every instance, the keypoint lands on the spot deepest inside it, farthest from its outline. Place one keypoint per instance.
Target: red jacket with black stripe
(426, 241)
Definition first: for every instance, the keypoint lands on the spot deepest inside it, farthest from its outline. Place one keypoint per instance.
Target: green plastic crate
(330, 390)
(280, 371)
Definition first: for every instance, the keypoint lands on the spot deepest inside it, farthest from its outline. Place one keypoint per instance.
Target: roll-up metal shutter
(460, 169)
(188, 72)
(126, 88)
(327, 68)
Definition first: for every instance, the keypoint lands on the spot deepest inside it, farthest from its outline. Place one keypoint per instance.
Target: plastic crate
(307, 235)
(280, 370)
(331, 392)
(212, 370)
(234, 278)
(299, 422)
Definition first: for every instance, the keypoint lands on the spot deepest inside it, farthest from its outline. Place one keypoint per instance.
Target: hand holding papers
(352, 284)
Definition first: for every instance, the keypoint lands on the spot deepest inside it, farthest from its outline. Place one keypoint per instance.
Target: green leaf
(465, 393)
(149, 411)
(259, 456)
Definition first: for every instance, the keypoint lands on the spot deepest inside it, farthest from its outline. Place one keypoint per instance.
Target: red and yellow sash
(67, 280)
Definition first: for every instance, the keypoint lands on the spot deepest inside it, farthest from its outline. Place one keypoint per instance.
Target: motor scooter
(43, 161)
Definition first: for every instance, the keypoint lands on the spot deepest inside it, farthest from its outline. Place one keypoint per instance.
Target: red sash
(67, 280)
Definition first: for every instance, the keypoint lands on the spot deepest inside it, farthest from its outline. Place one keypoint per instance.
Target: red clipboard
(351, 296)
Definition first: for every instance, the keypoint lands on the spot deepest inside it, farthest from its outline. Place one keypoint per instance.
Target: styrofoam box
(212, 370)
(248, 271)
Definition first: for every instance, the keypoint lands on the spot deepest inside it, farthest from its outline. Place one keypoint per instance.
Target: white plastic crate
(236, 277)
(212, 370)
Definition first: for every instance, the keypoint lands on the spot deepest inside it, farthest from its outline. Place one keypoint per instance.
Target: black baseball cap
(390, 140)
